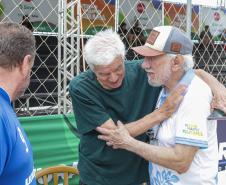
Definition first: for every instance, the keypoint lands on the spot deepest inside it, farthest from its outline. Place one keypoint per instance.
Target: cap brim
(147, 52)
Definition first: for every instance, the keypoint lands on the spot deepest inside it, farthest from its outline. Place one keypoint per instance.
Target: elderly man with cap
(110, 91)
(184, 147)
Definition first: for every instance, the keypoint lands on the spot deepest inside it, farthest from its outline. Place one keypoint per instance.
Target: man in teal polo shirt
(114, 90)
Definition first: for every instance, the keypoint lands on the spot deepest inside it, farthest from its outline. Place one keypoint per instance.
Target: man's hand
(218, 89)
(140, 126)
(178, 158)
(219, 101)
(172, 102)
(117, 138)
(219, 98)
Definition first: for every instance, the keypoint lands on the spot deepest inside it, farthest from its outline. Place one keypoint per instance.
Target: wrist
(130, 143)
(160, 115)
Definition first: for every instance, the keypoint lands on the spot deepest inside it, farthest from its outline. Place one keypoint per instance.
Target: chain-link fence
(61, 28)
(41, 18)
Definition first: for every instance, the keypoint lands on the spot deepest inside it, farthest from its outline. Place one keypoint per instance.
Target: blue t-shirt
(16, 160)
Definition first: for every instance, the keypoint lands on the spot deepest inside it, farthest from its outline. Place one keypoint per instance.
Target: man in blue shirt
(17, 53)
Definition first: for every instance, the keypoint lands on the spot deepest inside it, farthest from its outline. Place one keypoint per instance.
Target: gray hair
(16, 41)
(103, 48)
(188, 61)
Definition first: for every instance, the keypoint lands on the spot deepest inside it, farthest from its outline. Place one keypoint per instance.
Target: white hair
(188, 61)
(103, 48)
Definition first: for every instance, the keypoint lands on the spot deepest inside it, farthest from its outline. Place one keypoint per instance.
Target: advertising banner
(41, 14)
(148, 12)
(97, 15)
(215, 18)
(175, 14)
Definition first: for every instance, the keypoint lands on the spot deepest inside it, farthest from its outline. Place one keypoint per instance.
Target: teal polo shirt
(93, 105)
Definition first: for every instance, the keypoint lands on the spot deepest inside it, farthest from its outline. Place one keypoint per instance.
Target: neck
(173, 81)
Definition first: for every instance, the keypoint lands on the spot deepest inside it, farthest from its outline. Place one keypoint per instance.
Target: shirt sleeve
(89, 112)
(191, 124)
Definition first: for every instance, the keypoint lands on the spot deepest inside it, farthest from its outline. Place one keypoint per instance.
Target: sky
(212, 3)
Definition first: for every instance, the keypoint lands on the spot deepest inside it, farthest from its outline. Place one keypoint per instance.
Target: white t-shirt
(189, 126)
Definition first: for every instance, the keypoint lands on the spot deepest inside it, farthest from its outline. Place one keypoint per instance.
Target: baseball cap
(165, 39)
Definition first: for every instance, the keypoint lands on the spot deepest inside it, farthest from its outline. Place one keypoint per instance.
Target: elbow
(182, 167)
(198, 72)
(183, 161)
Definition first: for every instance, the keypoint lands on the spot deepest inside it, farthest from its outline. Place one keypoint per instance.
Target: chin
(115, 86)
(154, 84)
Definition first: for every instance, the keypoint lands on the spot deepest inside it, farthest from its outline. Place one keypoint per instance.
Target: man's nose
(113, 77)
(146, 64)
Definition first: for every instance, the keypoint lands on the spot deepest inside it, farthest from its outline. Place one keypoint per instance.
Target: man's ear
(26, 64)
(178, 63)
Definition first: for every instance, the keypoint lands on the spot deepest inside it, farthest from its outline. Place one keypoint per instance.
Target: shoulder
(134, 71)
(7, 129)
(200, 86)
(3, 108)
(3, 125)
(7, 115)
(81, 80)
(134, 65)
(198, 90)
(8, 120)
(85, 87)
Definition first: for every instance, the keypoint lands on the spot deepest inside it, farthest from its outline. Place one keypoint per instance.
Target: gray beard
(153, 83)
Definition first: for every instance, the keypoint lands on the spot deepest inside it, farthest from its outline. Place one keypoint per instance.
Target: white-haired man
(184, 147)
(114, 90)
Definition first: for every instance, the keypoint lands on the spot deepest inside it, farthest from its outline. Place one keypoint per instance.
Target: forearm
(144, 124)
(218, 90)
(165, 111)
(177, 158)
(209, 79)
(160, 155)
